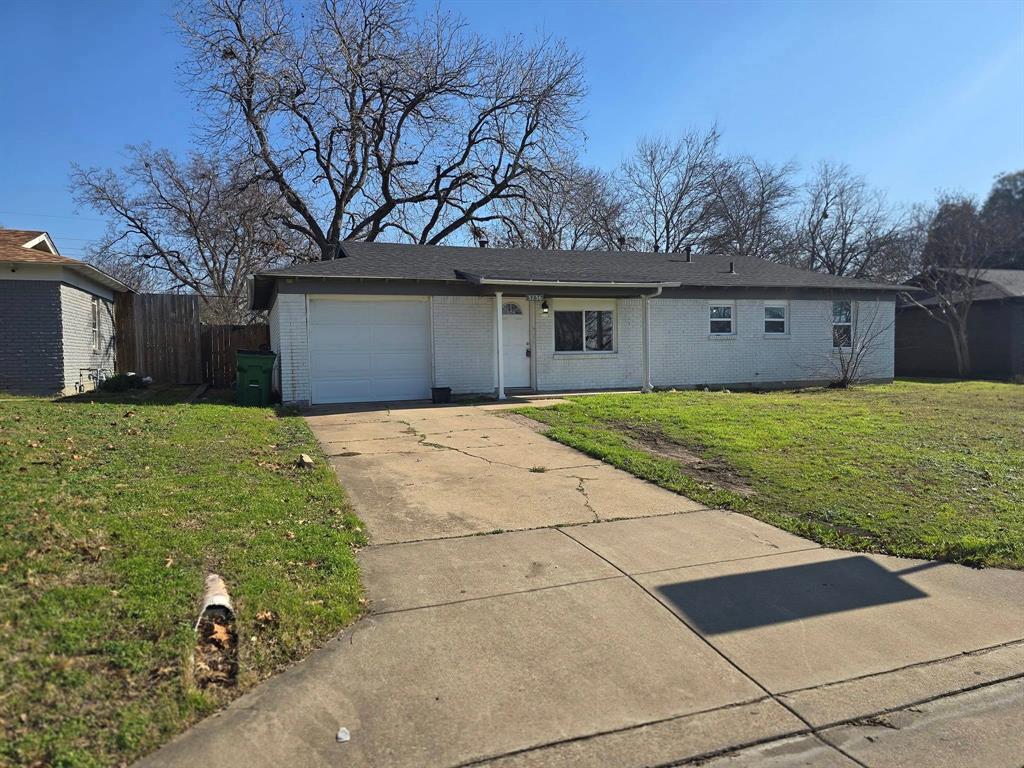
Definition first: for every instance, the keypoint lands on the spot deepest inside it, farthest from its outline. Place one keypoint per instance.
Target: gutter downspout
(647, 387)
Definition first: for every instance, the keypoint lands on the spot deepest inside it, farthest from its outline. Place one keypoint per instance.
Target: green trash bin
(253, 380)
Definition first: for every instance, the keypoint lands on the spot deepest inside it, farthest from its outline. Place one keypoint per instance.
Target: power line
(67, 237)
(51, 216)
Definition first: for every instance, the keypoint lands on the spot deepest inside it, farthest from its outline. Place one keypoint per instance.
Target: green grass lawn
(932, 470)
(113, 513)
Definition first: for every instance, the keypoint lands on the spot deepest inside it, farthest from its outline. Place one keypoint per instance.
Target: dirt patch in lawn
(652, 439)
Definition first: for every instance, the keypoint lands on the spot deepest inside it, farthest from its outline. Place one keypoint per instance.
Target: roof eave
(558, 283)
(574, 283)
(86, 270)
(101, 277)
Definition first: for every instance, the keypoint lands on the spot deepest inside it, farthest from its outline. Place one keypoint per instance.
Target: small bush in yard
(122, 382)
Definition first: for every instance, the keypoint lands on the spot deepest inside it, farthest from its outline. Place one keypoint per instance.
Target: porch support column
(499, 363)
(645, 345)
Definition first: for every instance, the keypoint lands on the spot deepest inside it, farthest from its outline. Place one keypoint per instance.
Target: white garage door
(368, 350)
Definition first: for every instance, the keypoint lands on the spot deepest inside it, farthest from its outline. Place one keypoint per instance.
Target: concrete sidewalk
(614, 623)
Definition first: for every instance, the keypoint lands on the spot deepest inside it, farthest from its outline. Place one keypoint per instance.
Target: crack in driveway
(586, 500)
(423, 440)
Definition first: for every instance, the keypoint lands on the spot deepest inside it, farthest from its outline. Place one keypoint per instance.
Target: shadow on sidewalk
(748, 600)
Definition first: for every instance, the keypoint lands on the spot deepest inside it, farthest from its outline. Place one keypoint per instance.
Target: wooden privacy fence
(219, 344)
(158, 335)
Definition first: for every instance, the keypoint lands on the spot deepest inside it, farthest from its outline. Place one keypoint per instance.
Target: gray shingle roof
(1004, 283)
(435, 262)
(991, 285)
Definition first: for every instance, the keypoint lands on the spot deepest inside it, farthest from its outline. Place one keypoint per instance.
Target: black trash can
(441, 395)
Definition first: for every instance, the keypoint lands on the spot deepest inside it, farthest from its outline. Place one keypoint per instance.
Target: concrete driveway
(612, 623)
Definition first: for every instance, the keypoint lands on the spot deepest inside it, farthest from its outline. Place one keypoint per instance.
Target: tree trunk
(330, 251)
(960, 348)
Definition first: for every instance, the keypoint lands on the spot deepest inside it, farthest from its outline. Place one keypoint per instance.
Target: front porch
(599, 338)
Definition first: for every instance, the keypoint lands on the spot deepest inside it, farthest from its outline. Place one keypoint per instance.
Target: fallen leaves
(220, 635)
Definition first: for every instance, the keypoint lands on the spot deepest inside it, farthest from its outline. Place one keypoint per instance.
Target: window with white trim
(722, 317)
(842, 324)
(584, 330)
(95, 324)
(776, 318)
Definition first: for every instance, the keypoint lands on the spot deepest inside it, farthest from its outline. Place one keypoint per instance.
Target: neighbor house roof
(33, 246)
(991, 285)
(1000, 284)
(549, 268)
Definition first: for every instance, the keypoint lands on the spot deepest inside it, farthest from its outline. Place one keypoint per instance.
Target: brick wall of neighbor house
(463, 330)
(292, 346)
(621, 369)
(79, 347)
(31, 358)
(685, 354)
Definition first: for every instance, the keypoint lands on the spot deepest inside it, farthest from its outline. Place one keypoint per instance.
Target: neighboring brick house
(388, 322)
(57, 316)
(995, 331)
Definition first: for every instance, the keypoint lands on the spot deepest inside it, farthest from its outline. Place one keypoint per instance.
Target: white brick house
(389, 322)
(58, 317)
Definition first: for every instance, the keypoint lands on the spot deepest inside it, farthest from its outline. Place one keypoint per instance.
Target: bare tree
(846, 228)
(136, 274)
(601, 201)
(748, 201)
(372, 121)
(668, 187)
(570, 207)
(859, 337)
(201, 225)
(955, 256)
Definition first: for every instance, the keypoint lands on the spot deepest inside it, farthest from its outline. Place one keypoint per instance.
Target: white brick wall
(621, 369)
(463, 328)
(684, 354)
(76, 333)
(292, 346)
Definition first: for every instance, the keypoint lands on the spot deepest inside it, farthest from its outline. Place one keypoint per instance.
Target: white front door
(515, 340)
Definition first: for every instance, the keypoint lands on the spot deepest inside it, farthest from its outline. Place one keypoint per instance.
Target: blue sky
(917, 96)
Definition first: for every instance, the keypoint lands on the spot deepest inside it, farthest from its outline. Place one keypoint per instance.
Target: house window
(511, 308)
(585, 330)
(721, 316)
(775, 318)
(842, 324)
(95, 325)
